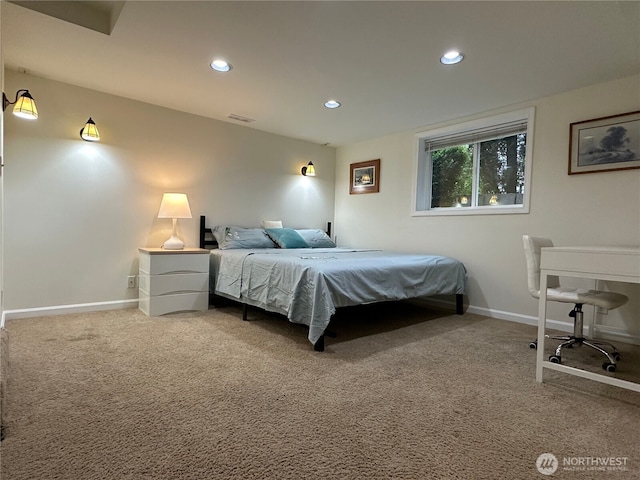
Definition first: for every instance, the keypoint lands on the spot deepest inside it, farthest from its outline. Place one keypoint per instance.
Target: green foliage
(502, 165)
(501, 169)
(452, 174)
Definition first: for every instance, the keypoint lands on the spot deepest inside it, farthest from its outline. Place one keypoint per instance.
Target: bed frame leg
(244, 312)
(459, 304)
(319, 345)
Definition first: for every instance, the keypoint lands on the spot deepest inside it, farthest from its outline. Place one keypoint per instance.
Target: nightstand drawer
(183, 302)
(174, 283)
(173, 263)
(173, 280)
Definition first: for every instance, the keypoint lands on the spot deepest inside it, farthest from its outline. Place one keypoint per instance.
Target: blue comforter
(307, 285)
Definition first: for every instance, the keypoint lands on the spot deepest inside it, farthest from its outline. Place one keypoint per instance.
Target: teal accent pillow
(316, 238)
(286, 238)
(238, 237)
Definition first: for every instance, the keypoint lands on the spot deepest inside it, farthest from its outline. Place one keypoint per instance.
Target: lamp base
(174, 243)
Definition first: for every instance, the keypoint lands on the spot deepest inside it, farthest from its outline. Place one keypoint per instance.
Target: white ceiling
(380, 58)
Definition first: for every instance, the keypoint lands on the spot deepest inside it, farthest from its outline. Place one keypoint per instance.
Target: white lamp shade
(174, 205)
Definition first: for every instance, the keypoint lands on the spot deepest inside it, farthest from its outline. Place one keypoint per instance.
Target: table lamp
(174, 206)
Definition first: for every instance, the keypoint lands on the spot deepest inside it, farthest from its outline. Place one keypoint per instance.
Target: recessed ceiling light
(220, 65)
(451, 58)
(332, 104)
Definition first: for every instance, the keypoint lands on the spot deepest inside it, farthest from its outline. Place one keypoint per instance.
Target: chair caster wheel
(534, 345)
(555, 359)
(609, 367)
(616, 356)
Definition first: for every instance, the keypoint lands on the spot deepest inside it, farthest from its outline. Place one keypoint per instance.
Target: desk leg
(542, 320)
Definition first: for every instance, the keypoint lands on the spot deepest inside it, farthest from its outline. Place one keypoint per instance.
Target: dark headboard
(208, 241)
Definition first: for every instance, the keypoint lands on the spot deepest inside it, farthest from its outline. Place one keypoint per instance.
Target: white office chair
(577, 296)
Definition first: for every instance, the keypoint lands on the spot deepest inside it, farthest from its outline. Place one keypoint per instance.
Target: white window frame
(423, 168)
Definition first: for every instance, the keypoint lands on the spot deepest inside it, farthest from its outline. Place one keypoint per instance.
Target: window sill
(454, 211)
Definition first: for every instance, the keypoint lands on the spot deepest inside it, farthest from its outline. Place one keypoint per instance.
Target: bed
(307, 281)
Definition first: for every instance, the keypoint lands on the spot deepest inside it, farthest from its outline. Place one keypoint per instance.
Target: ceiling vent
(240, 118)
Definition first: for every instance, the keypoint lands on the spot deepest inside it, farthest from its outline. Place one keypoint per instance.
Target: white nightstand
(173, 280)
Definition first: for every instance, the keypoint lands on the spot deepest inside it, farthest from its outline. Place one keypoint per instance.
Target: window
(478, 167)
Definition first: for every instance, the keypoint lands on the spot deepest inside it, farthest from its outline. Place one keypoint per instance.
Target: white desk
(616, 264)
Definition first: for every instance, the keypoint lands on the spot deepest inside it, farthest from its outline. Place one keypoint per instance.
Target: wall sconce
(174, 206)
(90, 132)
(309, 170)
(23, 106)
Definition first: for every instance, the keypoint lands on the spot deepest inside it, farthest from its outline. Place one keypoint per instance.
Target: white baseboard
(604, 332)
(615, 334)
(519, 318)
(64, 309)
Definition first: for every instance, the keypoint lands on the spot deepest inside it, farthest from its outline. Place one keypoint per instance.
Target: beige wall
(76, 212)
(598, 208)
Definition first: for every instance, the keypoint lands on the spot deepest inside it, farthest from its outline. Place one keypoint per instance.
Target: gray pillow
(229, 237)
(316, 238)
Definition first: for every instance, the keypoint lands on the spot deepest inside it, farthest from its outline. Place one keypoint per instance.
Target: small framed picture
(365, 177)
(605, 144)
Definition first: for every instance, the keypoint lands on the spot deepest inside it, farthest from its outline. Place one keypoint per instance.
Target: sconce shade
(24, 106)
(174, 205)
(90, 132)
(309, 170)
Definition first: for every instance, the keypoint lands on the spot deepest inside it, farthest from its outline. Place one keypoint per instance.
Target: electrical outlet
(131, 281)
(602, 311)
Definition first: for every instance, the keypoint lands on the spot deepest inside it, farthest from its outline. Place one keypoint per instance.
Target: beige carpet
(403, 392)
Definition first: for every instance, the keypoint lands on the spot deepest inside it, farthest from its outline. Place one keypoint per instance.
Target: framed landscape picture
(364, 177)
(605, 144)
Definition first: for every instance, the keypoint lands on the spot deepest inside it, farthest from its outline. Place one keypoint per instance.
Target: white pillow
(272, 224)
